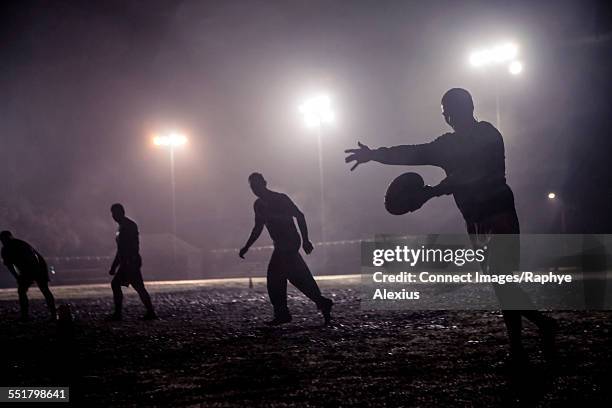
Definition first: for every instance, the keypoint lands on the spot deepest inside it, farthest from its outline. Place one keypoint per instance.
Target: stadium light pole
(554, 198)
(317, 113)
(171, 141)
(505, 54)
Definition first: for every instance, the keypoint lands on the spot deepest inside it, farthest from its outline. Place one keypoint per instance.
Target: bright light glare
(317, 111)
(515, 67)
(552, 196)
(171, 139)
(495, 55)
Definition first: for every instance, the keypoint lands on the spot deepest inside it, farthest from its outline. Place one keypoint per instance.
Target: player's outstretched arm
(255, 233)
(415, 155)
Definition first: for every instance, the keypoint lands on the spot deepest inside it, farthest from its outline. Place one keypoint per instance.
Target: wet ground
(211, 348)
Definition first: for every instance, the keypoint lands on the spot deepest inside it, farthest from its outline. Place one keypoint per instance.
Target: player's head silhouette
(118, 212)
(5, 236)
(258, 184)
(457, 107)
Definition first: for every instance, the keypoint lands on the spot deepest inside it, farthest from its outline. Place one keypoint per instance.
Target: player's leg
(49, 299)
(504, 259)
(22, 290)
(277, 287)
(300, 276)
(145, 298)
(512, 319)
(594, 267)
(548, 330)
(117, 297)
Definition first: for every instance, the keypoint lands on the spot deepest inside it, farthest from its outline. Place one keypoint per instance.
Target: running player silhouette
(276, 212)
(474, 161)
(27, 266)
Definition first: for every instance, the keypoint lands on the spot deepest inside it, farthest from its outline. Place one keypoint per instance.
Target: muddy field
(211, 348)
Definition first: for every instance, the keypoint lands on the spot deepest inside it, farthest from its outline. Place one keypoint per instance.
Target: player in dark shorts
(474, 161)
(27, 266)
(276, 212)
(127, 263)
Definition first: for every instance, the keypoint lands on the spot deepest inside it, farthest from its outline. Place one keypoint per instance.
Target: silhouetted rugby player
(27, 266)
(127, 263)
(473, 158)
(276, 212)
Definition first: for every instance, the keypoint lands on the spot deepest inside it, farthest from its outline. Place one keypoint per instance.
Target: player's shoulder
(273, 199)
(278, 196)
(283, 196)
(445, 138)
(286, 199)
(15, 246)
(487, 128)
(130, 224)
(19, 243)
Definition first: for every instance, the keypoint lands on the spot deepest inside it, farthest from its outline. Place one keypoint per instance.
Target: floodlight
(515, 67)
(172, 140)
(317, 111)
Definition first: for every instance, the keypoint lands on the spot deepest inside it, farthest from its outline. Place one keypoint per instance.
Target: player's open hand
(308, 247)
(361, 155)
(242, 252)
